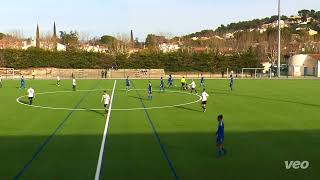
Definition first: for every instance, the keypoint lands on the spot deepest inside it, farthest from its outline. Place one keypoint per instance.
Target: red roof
(315, 56)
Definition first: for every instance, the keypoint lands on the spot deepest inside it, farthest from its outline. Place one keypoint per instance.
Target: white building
(266, 66)
(228, 35)
(165, 48)
(304, 65)
(98, 49)
(48, 46)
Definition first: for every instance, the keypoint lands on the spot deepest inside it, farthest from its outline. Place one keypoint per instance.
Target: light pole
(279, 37)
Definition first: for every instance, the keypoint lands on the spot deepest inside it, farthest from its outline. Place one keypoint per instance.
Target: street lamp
(279, 37)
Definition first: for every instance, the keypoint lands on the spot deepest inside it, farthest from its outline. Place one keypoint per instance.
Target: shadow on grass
(251, 156)
(135, 97)
(101, 113)
(188, 109)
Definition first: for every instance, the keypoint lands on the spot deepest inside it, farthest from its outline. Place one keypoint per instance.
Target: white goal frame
(255, 72)
(7, 73)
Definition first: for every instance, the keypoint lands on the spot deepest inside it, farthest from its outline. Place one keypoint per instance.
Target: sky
(93, 18)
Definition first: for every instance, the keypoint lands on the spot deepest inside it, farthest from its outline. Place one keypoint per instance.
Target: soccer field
(267, 122)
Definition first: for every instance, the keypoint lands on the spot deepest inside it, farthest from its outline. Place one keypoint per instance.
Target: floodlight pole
(279, 36)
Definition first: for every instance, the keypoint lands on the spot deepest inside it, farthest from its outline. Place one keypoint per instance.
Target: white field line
(97, 176)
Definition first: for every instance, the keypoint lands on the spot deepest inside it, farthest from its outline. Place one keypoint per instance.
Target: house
(304, 65)
(26, 44)
(312, 32)
(97, 48)
(266, 66)
(165, 48)
(228, 36)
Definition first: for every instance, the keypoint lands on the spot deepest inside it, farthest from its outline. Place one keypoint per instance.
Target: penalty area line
(105, 133)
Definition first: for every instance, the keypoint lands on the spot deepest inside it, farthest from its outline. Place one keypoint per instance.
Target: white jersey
(74, 82)
(193, 85)
(204, 96)
(106, 98)
(58, 78)
(30, 92)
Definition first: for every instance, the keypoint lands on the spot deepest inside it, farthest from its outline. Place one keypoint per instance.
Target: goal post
(7, 73)
(256, 73)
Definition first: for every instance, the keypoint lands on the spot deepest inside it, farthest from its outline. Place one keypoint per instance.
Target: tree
(2, 35)
(70, 40)
(153, 41)
(108, 40)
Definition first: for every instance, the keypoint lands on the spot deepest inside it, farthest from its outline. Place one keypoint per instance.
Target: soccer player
(22, 83)
(202, 81)
(161, 84)
(74, 84)
(58, 80)
(193, 87)
(128, 84)
(31, 95)
(150, 91)
(204, 98)
(170, 81)
(183, 83)
(231, 82)
(33, 75)
(106, 100)
(220, 137)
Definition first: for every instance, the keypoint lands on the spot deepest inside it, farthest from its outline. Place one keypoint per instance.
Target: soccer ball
(231, 72)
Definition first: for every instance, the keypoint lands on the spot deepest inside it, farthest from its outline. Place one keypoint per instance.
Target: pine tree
(55, 38)
(38, 37)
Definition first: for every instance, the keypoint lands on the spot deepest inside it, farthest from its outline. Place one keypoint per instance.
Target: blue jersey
(220, 132)
(162, 83)
(22, 81)
(202, 80)
(150, 88)
(170, 80)
(127, 82)
(231, 80)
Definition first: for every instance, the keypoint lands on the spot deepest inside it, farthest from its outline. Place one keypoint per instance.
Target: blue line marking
(46, 142)
(164, 152)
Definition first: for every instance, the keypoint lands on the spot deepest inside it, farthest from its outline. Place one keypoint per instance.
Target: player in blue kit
(128, 84)
(231, 82)
(161, 84)
(202, 81)
(150, 91)
(220, 137)
(170, 81)
(22, 83)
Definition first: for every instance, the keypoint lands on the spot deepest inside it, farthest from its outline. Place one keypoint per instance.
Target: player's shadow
(186, 108)
(24, 102)
(139, 98)
(101, 113)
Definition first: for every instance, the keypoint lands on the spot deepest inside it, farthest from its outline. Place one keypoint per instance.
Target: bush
(145, 59)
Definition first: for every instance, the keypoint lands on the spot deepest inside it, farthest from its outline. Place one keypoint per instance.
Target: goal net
(256, 73)
(7, 73)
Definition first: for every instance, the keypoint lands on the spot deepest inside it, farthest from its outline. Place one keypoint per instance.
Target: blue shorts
(219, 141)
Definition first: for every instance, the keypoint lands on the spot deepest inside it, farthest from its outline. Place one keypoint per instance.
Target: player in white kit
(204, 98)
(74, 84)
(106, 100)
(31, 95)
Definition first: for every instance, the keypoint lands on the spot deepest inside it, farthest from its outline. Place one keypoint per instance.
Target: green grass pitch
(267, 122)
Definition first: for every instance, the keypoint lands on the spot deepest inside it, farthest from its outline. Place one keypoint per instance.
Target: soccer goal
(256, 73)
(7, 73)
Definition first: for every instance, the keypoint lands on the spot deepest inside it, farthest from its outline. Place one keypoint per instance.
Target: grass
(267, 122)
